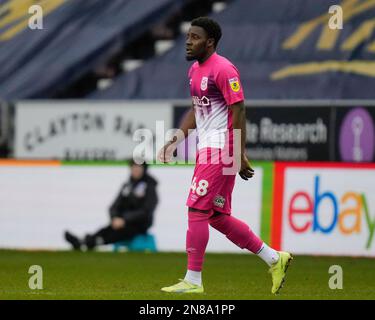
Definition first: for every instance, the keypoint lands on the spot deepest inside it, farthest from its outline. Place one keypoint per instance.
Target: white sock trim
(194, 277)
(268, 255)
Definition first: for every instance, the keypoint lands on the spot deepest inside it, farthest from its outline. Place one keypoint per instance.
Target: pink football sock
(197, 239)
(236, 231)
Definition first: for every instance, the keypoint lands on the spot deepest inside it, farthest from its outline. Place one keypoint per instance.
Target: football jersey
(214, 85)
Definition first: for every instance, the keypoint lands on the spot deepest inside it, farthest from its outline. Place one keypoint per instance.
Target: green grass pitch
(107, 275)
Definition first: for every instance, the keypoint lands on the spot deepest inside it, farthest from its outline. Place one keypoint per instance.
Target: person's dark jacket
(136, 202)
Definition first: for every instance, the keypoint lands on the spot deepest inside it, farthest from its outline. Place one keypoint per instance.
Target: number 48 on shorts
(201, 188)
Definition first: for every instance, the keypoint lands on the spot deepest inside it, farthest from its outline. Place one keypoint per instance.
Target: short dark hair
(211, 27)
(138, 161)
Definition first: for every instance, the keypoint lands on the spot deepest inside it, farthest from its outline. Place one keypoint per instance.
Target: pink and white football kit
(214, 85)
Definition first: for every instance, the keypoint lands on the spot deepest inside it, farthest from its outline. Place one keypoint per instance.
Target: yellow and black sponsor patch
(235, 84)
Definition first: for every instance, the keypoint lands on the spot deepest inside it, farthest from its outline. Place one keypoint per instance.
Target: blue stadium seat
(142, 242)
(94, 29)
(254, 36)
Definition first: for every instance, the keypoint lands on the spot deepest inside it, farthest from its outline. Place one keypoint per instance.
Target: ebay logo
(350, 206)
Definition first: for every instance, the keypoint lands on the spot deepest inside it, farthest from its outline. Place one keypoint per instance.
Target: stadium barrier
(41, 199)
(305, 130)
(322, 208)
(77, 130)
(276, 130)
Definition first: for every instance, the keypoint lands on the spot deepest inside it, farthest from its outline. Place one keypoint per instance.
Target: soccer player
(218, 112)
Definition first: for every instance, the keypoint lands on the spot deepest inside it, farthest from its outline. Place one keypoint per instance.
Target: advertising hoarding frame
(279, 191)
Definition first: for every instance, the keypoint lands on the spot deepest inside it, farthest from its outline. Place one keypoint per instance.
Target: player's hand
(118, 223)
(246, 172)
(166, 153)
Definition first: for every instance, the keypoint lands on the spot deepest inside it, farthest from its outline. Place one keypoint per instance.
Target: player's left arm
(229, 83)
(239, 123)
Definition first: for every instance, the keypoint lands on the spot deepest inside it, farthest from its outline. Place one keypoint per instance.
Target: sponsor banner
(69, 196)
(355, 134)
(323, 208)
(288, 133)
(278, 133)
(89, 131)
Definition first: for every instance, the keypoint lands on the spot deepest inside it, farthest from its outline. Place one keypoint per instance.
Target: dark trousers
(110, 235)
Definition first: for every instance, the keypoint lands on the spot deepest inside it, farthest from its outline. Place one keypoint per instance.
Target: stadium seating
(77, 36)
(254, 33)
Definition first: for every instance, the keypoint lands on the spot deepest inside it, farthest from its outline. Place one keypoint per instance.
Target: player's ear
(211, 42)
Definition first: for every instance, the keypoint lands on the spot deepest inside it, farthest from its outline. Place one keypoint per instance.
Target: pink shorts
(212, 183)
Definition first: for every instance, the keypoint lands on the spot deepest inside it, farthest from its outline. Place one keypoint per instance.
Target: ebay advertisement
(326, 209)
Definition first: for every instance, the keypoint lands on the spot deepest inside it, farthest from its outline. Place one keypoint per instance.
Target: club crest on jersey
(234, 84)
(219, 201)
(204, 83)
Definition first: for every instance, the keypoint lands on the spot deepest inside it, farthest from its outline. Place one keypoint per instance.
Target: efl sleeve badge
(235, 84)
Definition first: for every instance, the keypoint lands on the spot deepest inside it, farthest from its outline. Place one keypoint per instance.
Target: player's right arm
(188, 123)
(228, 81)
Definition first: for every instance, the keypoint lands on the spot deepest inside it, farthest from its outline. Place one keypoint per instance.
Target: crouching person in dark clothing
(131, 213)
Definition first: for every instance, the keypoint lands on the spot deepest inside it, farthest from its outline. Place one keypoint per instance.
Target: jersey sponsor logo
(234, 84)
(190, 81)
(204, 83)
(219, 201)
(201, 102)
